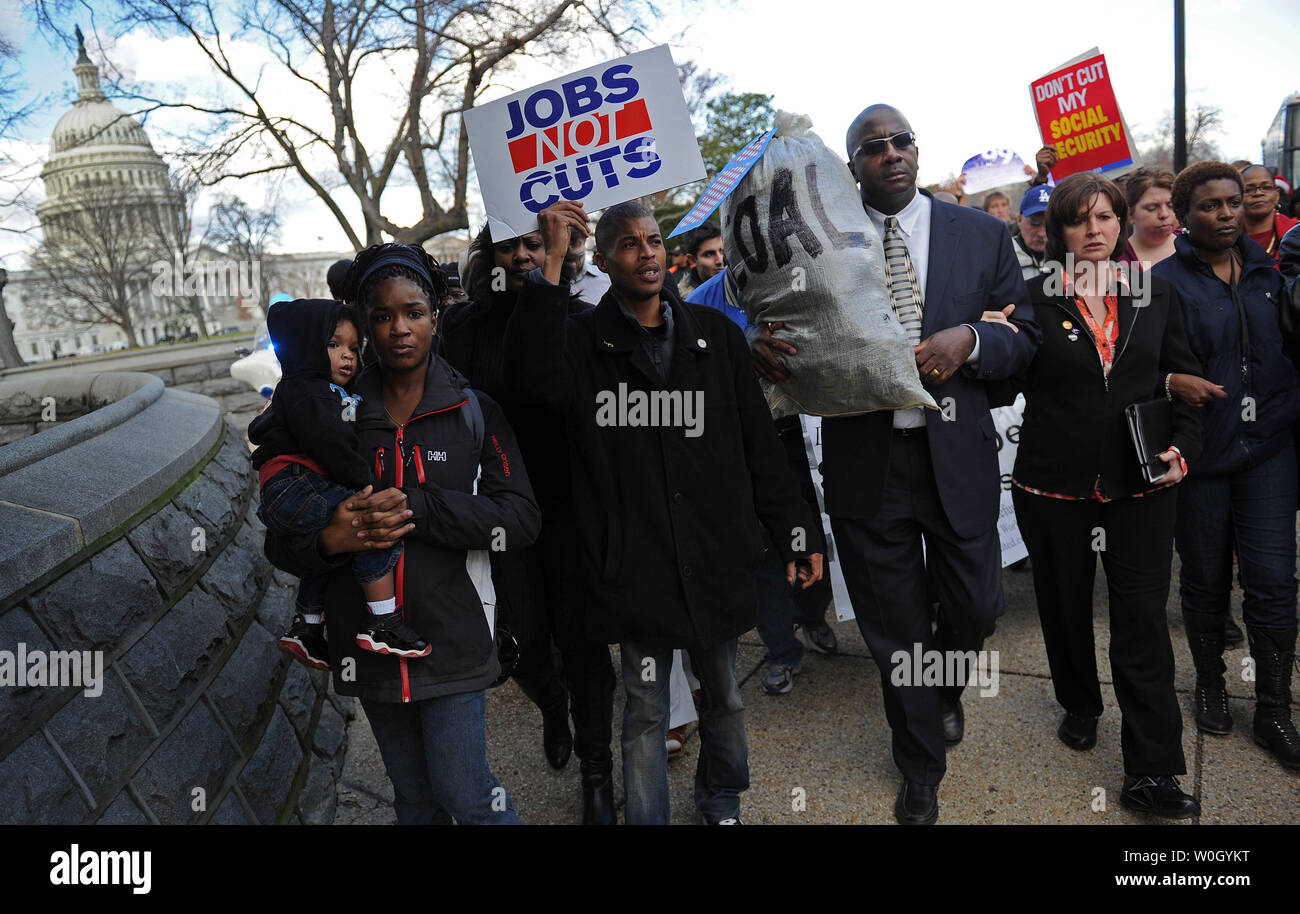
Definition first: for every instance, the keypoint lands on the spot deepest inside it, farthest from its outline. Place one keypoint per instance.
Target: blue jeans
(722, 772)
(296, 501)
(435, 752)
(1254, 513)
(780, 605)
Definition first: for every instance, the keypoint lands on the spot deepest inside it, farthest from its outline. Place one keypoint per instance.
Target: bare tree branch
(444, 53)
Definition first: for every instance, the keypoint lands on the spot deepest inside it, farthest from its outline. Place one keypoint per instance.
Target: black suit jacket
(1074, 429)
(972, 269)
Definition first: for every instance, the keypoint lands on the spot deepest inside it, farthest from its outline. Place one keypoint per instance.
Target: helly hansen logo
(501, 454)
(438, 456)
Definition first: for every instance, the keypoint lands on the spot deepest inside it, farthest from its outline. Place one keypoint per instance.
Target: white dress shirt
(590, 285)
(914, 223)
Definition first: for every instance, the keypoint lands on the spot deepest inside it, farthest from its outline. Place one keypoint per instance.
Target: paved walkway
(827, 743)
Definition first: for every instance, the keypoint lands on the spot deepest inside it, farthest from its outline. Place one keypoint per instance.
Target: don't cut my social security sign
(600, 136)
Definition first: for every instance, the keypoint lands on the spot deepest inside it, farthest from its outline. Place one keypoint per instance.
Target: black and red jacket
(465, 481)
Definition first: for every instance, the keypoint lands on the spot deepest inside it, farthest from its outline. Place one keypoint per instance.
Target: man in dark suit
(894, 478)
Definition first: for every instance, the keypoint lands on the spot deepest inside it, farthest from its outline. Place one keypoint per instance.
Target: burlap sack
(802, 251)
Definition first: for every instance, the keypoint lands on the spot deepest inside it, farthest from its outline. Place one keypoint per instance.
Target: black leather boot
(598, 793)
(556, 738)
(1274, 653)
(1205, 638)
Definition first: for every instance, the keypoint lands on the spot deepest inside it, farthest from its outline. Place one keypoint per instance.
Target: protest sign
(1078, 114)
(812, 440)
(993, 168)
(1006, 421)
(600, 136)
(723, 184)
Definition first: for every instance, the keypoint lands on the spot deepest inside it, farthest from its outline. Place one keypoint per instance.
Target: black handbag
(1150, 427)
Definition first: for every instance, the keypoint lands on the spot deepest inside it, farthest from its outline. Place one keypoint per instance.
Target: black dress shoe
(1078, 731)
(598, 795)
(556, 738)
(1158, 795)
(954, 720)
(917, 804)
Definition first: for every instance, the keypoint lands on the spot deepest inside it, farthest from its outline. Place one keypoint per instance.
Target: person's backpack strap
(474, 416)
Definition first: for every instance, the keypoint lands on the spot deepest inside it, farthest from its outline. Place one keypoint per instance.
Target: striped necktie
(904, 291)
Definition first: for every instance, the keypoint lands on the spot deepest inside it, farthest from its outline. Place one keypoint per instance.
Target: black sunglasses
(876, 147)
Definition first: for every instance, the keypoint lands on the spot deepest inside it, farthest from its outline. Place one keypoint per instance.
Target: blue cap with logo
(1035, 201)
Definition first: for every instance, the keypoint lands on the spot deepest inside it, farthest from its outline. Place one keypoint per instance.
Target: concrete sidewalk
(827, 744)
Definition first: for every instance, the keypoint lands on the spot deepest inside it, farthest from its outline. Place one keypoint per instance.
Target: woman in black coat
(535, 586)
(1110, 337)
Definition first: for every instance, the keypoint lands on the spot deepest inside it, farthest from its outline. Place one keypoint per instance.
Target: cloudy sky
(959, 71)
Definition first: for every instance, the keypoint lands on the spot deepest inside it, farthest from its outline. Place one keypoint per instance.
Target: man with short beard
(584, 280)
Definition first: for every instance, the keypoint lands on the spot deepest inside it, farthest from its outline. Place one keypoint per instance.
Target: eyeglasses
(1260, 188)
(876, 147)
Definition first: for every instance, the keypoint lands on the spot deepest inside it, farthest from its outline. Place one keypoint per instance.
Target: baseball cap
(1035, 201)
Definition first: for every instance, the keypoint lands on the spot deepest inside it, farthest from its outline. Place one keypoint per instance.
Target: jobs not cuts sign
(600, 136)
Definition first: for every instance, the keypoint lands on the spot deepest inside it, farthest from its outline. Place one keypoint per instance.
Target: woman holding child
(449, 482)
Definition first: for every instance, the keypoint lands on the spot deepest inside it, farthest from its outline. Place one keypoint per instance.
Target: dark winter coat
(532, 590)
(668, 536)
(1238, 433)
(443, 581)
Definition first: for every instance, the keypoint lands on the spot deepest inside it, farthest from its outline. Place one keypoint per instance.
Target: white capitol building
(99, 151)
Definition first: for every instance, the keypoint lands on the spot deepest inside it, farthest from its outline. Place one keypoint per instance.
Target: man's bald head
(886, 174)
(872, 115)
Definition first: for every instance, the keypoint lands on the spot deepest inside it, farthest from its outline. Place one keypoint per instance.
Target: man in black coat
(894, 479)
(675, 461)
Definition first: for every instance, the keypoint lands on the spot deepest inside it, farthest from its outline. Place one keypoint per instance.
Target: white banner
(1006, 419)
(600, 136)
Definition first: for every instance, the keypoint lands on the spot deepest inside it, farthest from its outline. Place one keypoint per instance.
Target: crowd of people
(478, 469)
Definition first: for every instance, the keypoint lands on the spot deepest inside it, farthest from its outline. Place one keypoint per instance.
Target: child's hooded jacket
(309, 416)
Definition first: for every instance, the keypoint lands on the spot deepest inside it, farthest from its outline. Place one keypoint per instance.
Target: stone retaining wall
(198, 718)
(238, 401)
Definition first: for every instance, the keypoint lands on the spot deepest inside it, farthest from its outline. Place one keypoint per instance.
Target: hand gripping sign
(600, 136)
